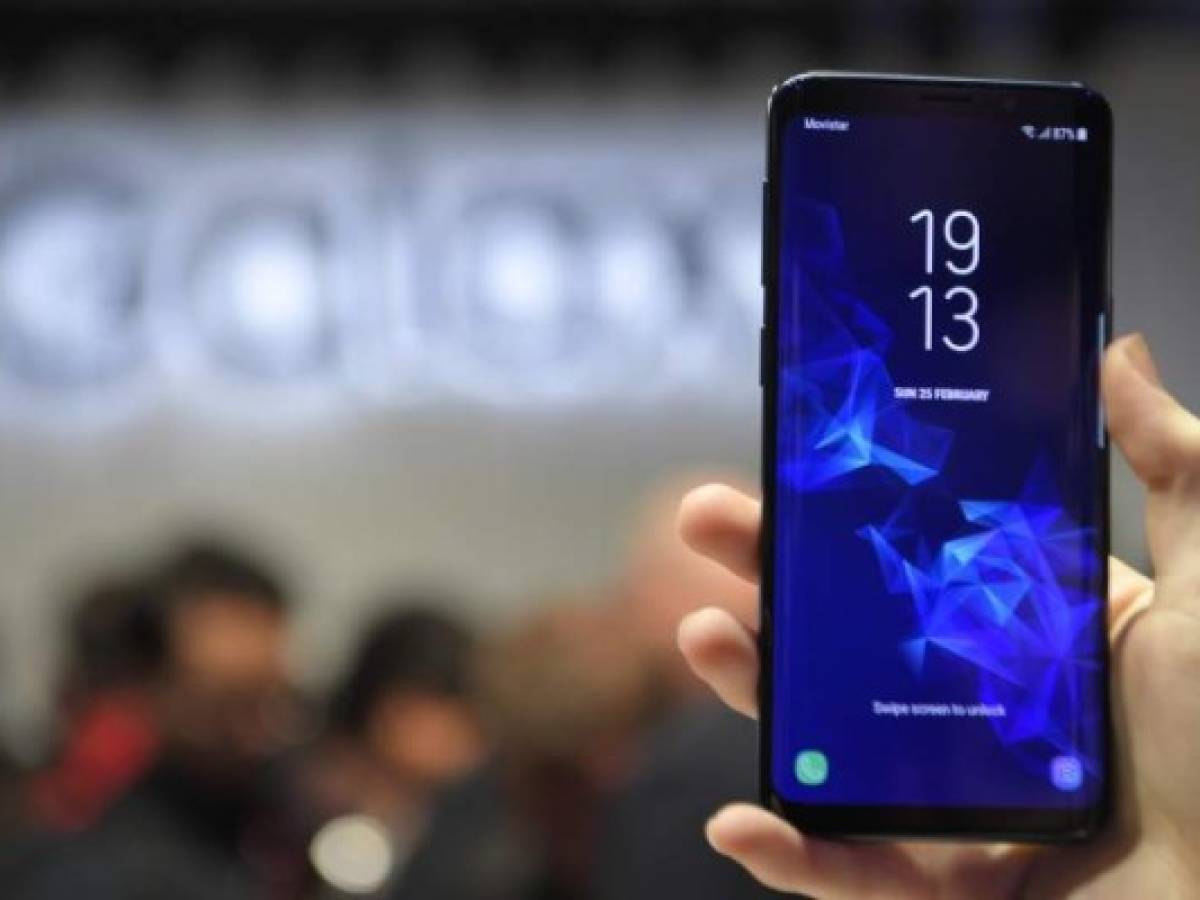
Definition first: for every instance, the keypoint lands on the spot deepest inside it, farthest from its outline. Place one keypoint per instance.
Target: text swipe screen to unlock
(938, 629)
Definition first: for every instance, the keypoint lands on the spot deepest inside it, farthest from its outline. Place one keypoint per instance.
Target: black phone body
(935, 467)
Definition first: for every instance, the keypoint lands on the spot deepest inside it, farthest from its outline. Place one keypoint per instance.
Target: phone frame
(815, 93)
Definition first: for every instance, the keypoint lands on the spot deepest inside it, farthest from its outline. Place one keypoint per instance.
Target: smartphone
(935, 540)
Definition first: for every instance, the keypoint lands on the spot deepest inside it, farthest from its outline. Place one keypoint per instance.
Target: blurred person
(403, 725)
(198, 823)
(1151, 847)
(697, 756)
(564, 701)
(226, 700)
(106, 733)
(104, 736)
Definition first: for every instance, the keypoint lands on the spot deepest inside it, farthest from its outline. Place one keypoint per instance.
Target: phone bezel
(1018, 101)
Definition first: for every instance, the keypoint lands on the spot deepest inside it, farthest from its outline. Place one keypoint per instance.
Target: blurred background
(344, 329)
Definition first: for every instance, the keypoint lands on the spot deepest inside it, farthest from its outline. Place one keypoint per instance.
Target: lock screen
(938, 520)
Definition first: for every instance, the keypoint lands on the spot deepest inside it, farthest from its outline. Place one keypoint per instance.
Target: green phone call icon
(812, 768)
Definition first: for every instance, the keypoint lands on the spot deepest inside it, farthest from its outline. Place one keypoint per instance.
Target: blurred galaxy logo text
(501, 263)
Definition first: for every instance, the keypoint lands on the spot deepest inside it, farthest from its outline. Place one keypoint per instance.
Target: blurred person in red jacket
(200, 822)
(107, 735)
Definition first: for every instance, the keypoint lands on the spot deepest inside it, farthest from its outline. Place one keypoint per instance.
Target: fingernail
(1137, 351)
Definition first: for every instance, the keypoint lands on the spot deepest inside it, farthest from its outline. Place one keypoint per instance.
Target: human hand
(1151, 848)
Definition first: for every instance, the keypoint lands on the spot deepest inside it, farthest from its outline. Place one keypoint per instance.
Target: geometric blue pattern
(844, 400)
(1007, 598)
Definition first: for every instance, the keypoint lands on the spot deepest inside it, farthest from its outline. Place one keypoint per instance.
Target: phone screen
(939, 475)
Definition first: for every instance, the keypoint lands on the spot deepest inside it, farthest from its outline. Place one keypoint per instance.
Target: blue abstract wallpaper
(938, 625)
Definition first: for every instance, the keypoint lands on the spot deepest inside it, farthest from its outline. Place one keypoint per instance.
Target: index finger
(723, 524)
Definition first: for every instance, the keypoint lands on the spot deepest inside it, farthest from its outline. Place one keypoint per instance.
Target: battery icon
(1081, 134)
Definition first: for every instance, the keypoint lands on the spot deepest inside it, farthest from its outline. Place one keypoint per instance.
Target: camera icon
(1066, 773)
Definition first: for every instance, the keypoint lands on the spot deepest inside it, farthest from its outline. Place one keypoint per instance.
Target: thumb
(1161, 440)
(1159, 437)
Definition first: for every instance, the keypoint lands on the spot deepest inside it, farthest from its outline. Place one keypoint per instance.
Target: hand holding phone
(1151, 847)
